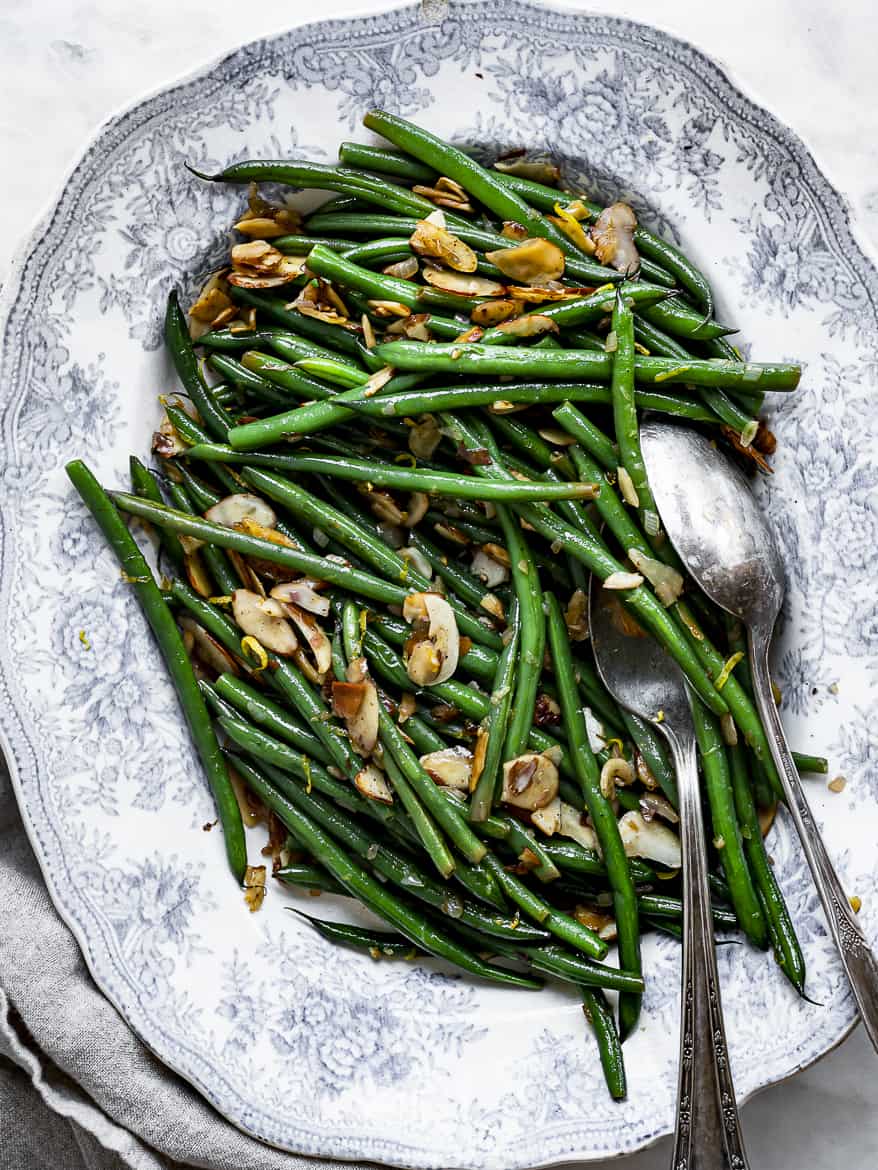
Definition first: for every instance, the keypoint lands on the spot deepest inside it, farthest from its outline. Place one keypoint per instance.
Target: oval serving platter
(305, 1046)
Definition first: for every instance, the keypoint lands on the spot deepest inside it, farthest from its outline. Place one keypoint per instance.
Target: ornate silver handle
(856, 954)
(708, 1132)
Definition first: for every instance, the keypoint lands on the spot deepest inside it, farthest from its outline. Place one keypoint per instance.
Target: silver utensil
(726, 543)
(644, 678)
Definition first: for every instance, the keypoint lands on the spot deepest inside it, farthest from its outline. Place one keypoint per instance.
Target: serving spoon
(726, 543)
(642, 677)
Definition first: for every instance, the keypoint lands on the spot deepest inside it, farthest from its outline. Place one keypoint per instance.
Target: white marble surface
(66, 64)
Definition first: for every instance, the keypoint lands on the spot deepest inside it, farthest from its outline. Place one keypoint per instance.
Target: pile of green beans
(378, 452)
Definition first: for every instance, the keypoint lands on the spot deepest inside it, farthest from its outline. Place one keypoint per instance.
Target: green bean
(677, 318)
(289, 807)
(334, 371)
(726, 829)
(403, 478)
(600, 1016)
(625, 418)
(653, 752)
(818, 765)
(373, 158)
(721, 404)
(311, 877)
(496, 722)
(170, 642)
(380, 944)
(428, 832)
(491, 360)
(301, 245)
(668, 906)
(599, 809)
(589, 435)
(777, 916)
(537, 908)
(145, 484)
(448, 818)
(575, 858)
(315, 175)
(265, 712)
(224, 576)
(248, 381)
(216, 420)
(532, 641)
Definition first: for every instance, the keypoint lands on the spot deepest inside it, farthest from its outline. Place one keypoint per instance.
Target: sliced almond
(405, 269)
(534, 261)
(530, 325)
(623, 581)
(264, 619)
(314, 636)
(432, 658)
(356, 701)
(234, 509)
(304, 595)
(613, 236)
(418, 504)
(650, 839)
(463, 285)
(530, 781)
(211, 652)
(450, 767)
(576, 616)
(548, 819)
(429, 239)
(372, 783)
(424, 437)
(493, 312)
(573, 825)
(197, 575)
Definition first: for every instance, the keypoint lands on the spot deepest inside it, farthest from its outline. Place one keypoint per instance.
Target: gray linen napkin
(78, 1090)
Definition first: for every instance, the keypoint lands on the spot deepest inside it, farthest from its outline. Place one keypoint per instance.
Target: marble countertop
(65, 66)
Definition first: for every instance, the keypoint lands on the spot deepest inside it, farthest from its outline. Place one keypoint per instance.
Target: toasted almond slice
(211, 302)
(466, 286)
(548, 819)
(260, 227)
(418, 504)
(264, 619)
(530, 781)
(530, 325)
(613, 236)
(488, 570)
(449, 767)
(211, 652)
(389, 308)
(197, 574)
(623, 581)
(234, 509)
(537, 293)
(576, 616)
(302, 594)
(434, 659)
(314, 635)
(650, 839)
(513, 231)
(534, 261)
(405, 269)
(429, 239)
(493, 312)
(573, 826)
(372, 783)
(330, 316)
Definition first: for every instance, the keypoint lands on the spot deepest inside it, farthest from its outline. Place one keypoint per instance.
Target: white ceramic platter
(305, 1046)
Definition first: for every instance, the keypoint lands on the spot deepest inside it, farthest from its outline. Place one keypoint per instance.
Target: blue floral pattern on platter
(305, 1046)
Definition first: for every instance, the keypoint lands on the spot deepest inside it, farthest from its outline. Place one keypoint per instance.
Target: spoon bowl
(714, 522)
